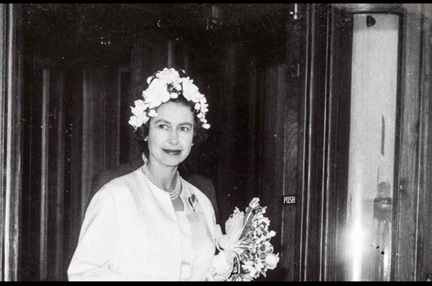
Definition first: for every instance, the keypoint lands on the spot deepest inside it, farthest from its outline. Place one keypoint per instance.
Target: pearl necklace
(177, 190)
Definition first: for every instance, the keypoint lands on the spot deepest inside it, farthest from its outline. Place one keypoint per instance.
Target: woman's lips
(172, 152)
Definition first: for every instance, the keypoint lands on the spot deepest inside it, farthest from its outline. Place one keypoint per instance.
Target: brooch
(193, 201)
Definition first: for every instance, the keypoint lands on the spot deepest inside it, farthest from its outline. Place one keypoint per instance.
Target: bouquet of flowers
(247, 242)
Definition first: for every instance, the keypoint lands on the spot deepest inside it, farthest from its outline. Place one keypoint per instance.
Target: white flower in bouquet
(247, 241)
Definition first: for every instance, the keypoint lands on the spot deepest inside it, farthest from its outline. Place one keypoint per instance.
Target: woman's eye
(163, 126)
(184, 128)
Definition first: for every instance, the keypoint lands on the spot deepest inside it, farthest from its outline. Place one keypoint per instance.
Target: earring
(146, 138)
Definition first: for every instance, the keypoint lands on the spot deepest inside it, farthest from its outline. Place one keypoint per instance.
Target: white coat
(130, 232)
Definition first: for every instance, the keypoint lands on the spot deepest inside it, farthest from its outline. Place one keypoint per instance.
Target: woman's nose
(174, 137)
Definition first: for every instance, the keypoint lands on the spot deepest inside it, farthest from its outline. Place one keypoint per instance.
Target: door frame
(10, 134)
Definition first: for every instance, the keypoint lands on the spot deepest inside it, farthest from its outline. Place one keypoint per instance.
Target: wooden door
(400, 216)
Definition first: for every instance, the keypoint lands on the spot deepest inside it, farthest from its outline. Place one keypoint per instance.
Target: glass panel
(372, 144)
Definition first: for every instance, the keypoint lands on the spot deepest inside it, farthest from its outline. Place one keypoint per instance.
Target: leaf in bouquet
(247, 224)
(234, 227)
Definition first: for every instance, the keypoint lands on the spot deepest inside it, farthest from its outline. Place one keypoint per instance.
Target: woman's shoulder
(109, 174)
(124, 183)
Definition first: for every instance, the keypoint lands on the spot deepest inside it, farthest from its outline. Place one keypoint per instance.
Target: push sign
(289, 200)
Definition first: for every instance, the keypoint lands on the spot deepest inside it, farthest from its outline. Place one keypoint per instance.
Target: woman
(151, 224)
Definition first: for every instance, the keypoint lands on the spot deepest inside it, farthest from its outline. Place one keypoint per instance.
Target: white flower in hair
(170, 76)
(163, 86)
(139, 108)
(139, 116)
(156, 94)
(190, 90)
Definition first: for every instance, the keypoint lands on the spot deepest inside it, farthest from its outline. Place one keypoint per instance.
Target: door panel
(412, 213)
(372, 147)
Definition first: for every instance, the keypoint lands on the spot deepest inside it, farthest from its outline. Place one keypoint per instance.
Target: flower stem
(244, 224)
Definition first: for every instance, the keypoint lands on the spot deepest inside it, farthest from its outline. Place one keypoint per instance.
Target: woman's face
(171, 134)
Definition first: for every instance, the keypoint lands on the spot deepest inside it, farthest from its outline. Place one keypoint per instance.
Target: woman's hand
(221, 266)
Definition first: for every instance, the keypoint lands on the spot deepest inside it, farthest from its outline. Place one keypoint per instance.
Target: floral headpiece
(163, 86)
